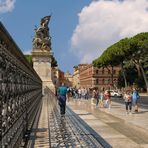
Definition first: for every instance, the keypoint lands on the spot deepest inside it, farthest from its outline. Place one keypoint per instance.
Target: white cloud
(6, 5)
(103, 23)
(27, 52)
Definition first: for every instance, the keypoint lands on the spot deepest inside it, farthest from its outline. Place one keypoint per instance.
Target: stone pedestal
(42, 65)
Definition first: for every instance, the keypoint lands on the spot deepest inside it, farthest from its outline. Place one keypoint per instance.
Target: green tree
(53, 62)
(29, 59)
(114, 55)
(128, 49)
(140, 44)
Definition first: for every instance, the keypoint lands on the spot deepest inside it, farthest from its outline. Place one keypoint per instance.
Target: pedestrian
(128, 102)
(69, 93)
(97, 97)
(83, 93)
(94, 96)
(75, 93)
(86, 93)
(62, 96)
(135, 97)
(79, 93)
(101, 97)
(107, 97)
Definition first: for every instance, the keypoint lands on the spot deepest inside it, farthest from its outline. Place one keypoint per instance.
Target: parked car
(115, 93)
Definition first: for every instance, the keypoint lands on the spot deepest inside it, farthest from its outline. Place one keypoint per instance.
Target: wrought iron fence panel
(20, 93)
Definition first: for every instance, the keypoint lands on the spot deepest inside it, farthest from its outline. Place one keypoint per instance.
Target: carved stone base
(48, 84)
(42, 65)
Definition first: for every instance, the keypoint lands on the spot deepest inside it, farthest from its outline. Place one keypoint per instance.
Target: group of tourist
(131, 99)
(103, 99)
(80, 93)
(98, 98)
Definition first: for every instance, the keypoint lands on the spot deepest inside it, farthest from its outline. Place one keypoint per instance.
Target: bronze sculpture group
(42, 39)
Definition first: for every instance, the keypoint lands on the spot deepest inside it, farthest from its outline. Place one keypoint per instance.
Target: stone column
(42, 65)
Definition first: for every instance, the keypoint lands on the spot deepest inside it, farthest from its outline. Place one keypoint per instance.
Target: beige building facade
(101, 78)
(76, 80)
(76, 75)
(68, 79)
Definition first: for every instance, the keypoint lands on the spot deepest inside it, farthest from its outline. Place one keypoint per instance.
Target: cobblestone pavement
(117, 128)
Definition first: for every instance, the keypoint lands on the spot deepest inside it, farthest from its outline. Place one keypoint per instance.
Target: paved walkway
(117, 128)
(40, 133)
(56, 131)
(86, 126)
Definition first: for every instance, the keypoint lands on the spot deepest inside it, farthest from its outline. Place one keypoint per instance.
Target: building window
(97, 81)
(106, 81)
(97, 71)
(108, 71)
(114, 71)
(102, 81)
(103, 71)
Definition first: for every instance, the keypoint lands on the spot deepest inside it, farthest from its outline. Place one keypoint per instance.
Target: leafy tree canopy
(123, 50)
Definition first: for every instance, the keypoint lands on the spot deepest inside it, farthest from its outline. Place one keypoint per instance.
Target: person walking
(128, 102)
(62, 96)
(79, 93)
(97, 97)
(101, 98)
(94, 96)
(107, 97)
(135, 97)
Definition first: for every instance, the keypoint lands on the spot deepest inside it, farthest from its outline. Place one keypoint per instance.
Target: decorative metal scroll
(20, 93)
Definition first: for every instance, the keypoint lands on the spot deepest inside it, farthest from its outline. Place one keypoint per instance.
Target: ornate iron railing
(20, 93)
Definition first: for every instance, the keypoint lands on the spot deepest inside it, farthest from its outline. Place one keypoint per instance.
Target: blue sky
(80, 29)
(20, 22)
